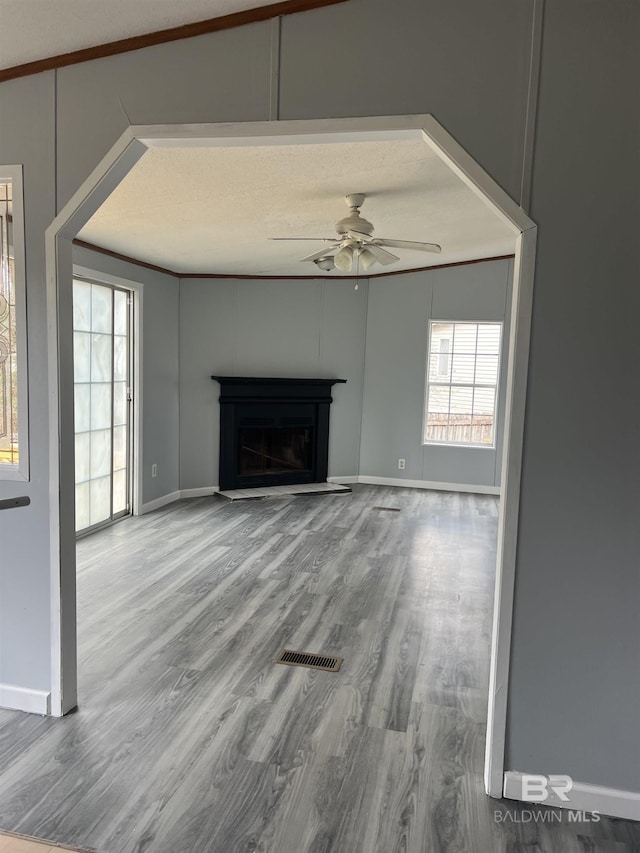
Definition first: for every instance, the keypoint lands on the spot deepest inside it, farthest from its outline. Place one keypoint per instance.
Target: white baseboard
(582, 797)
(158, 503)
(429, 484)
(25, 699)
(199, 493)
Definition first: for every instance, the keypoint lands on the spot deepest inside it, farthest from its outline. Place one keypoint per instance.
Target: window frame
(9, 470)
(425, 413)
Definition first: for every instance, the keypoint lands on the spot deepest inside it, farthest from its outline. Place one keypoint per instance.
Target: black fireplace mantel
(269, 388)
(272, 404)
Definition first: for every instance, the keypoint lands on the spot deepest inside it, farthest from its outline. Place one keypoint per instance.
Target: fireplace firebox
(273, 432)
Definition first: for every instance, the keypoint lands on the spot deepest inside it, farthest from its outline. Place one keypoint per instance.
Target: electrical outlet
(154, 470)
(401, 464)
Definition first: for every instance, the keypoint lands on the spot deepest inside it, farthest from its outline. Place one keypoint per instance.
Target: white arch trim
(105, 177)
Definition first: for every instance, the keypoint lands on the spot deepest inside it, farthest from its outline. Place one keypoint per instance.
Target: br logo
(536, 789)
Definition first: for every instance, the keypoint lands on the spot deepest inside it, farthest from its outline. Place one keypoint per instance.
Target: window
(463, 364)
(10, 332)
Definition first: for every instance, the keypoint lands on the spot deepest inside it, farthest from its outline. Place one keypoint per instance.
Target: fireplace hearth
(273, 432)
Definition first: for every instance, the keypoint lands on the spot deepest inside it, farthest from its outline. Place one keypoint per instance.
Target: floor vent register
(329, 663)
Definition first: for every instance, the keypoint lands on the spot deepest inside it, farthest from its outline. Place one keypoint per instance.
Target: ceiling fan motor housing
(354, 222)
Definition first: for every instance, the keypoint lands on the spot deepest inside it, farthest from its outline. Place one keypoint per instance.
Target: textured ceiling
(36, 29)
(213, 210)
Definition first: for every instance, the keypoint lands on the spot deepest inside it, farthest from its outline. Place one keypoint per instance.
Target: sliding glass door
(102, 323)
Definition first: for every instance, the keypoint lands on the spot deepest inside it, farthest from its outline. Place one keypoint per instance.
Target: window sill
(458, 446)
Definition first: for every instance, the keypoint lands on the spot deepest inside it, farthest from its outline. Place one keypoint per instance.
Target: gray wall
(400, 308)
(268, 328)
(374, 337)
(159, 363)
(574, 671)
(27, 136)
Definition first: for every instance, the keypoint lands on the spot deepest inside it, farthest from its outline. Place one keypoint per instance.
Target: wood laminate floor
(189, 739)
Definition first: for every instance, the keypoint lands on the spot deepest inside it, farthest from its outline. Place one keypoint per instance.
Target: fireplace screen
(274, 450)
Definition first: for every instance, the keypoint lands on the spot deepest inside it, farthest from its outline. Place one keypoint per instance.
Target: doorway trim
(105, 177)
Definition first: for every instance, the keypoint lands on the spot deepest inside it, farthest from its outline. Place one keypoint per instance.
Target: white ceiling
(37, 29)
(213, 210)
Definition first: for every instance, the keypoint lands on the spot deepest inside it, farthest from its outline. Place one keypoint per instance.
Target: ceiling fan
(355, 243)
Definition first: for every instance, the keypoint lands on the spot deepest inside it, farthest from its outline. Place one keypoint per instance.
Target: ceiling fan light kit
(355, 242)
(343, 259)
(326, 263)
(366, 259)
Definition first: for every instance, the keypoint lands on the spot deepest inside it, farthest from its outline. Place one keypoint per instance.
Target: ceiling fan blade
(359, 236)
(323, 253)
(409, 244)
(381, 255)
(308, 239)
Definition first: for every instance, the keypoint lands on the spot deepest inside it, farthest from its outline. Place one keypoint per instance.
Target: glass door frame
(134, 397)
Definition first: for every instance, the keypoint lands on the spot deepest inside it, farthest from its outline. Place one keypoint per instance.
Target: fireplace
(273, 432)
(267, 450)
